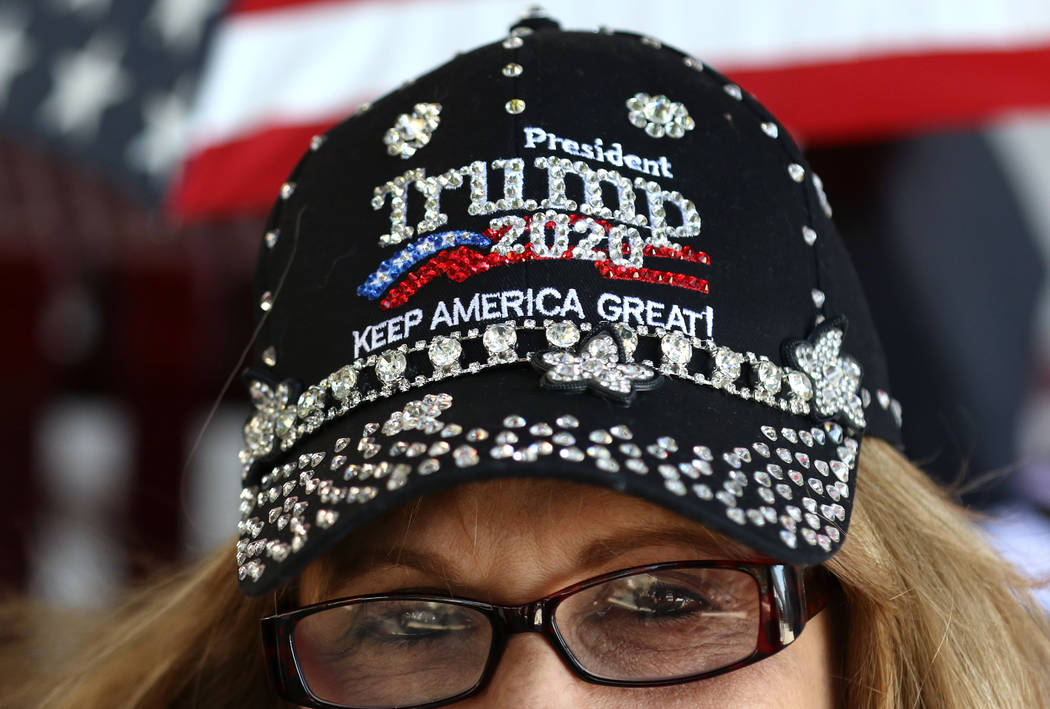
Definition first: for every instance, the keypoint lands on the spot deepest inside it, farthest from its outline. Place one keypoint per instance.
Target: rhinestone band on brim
(283, 415)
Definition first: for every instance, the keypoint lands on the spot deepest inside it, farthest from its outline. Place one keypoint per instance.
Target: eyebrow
(597, 553)
(605, 549)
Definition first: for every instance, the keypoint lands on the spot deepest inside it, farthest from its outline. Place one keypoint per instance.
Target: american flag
(107, 83)
(831, 70)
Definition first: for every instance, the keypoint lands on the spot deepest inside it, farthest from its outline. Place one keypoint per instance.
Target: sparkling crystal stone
(727, 364)
(512, 70)
(512, 42)
(601, 436)
(564, 438)
(563, 333)
(326, 518)
(444, 351)
(541, 429)
(667, 443)
(514, 421)
(271, 238)
(284, 424)
(818, 297)
(675, 486)
(269, 357)
(768, 375)
(567, 421)
(266, 301)
(734, 91)
(514, 106)
(499, 338)
(797, 172)
(342, 382)
(411, 127)
(310, 400)
(465, 456)
(658, 109)
(800, 385)
(603, 347)
(770, 129)
(676, 348)
(287, 189)
(809, 235)
(390, 365)
(636, 466)
(840, 469)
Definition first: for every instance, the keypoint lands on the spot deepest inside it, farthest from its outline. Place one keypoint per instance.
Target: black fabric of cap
(774, 274)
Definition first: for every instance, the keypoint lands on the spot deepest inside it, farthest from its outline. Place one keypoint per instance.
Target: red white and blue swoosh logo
(458, 255)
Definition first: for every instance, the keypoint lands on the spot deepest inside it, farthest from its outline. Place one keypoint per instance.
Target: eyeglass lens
(392, 653)
(658, 626)
(649, 626)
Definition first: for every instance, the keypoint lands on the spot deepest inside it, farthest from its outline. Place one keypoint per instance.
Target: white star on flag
(88, 8)
(15, 51)
(86, 82)
(181, 22)
(160, 144)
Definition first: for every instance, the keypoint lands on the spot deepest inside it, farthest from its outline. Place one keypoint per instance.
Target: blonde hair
(935, 620)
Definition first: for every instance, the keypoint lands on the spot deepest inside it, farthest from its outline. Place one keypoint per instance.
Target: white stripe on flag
(308, 63)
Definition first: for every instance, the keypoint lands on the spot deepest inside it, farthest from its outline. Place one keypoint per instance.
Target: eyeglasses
(645, 626)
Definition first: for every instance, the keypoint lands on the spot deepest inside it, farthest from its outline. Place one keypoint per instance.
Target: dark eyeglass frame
(789, 597)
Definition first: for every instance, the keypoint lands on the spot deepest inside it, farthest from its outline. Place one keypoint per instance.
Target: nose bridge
(527, 618)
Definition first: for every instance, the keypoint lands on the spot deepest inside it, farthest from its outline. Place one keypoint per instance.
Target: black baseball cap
(575, 255)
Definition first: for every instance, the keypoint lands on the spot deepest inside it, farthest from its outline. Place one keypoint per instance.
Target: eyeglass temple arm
(818, 585)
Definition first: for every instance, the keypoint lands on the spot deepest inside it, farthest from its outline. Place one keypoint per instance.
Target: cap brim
(777, 482)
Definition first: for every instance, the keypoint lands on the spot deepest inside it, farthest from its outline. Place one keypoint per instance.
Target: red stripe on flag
(878, 97)
(246, 6)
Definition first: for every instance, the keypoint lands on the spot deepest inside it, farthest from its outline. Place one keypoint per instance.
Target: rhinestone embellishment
(411, 131)
(599, 364)
(835, 377)
(659, 116)
(826, 387)
(316, 489)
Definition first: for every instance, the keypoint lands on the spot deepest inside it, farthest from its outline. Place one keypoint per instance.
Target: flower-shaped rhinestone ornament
(835, 376)
(411, 131)
(659, 116)
(274, 419)
(601, 364)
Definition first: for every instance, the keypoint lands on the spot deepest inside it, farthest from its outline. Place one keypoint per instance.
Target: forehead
(531, 529)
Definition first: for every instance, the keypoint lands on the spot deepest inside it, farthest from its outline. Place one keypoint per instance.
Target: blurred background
(143, 141)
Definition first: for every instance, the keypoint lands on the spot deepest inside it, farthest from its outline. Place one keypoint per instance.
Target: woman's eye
(657, 600)
(417, 623)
